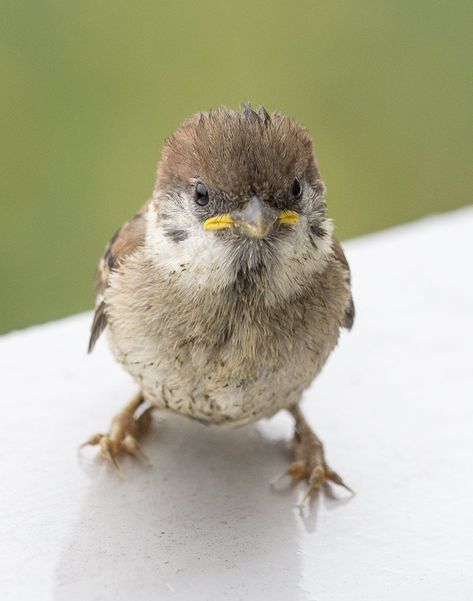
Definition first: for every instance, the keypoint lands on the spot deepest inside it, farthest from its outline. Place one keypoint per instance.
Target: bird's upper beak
(255, 220)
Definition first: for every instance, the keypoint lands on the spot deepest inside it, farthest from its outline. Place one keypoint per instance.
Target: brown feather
(127, 239)
(98, 325)
(232, 148)
(340, 257)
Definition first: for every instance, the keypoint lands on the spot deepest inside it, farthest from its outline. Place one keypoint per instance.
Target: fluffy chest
(225, 358)
(230, 362)
(227, 384)
(215, 394)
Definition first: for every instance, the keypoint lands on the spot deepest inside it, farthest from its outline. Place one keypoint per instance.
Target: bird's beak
(255, 220)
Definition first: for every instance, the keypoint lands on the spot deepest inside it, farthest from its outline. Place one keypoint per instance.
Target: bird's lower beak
(256, 219)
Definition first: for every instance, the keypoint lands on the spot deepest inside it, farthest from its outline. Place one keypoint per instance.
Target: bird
(225, 294)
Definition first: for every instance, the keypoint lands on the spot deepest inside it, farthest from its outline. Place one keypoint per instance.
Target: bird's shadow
(202, 522)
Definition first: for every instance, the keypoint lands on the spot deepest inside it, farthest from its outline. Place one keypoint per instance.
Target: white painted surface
(394, 407)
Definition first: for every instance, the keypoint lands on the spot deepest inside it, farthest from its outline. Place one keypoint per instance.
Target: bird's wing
(341, 259)
(127, 239)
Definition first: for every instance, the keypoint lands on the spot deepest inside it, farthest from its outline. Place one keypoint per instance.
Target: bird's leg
(309, 458)
(123, 435)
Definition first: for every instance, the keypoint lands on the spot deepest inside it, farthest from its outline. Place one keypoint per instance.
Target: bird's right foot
(123, 435)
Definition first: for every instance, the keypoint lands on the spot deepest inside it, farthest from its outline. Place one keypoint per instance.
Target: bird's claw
(122, 438)
(315, 476)
(111, 448)
(309, 464)
(319, 475)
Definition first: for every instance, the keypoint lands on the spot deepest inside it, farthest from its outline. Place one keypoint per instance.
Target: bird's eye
(296, 188)
(201, 194)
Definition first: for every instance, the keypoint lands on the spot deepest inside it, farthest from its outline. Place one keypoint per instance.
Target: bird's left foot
(309, 463)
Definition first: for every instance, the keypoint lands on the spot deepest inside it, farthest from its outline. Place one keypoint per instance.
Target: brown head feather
(238, 153)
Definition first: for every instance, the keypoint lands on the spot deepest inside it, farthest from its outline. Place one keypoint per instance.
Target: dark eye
(296, 188)
(201, 194)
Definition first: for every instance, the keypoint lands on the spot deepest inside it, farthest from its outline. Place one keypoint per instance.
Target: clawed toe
(122, 438)
(336, 479)
(295, 471)
(131, 446)
(317, 478)
(111, 448)
(309, 464)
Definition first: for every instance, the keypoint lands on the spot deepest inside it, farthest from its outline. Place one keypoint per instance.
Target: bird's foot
(309, 460)
(310, 465)
(123, 435)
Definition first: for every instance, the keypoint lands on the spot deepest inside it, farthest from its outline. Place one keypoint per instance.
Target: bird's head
(238, 192)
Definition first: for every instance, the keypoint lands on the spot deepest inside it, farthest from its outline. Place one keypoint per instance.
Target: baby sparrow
(225, 294)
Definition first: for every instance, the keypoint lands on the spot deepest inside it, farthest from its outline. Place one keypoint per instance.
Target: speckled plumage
(220, 326)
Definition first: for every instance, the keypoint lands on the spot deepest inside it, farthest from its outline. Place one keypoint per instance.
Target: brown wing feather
(340, 257)
(130, 237)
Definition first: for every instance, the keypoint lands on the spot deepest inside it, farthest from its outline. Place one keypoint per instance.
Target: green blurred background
(90, 89)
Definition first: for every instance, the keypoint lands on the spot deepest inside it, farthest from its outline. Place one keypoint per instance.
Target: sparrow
(225, 294)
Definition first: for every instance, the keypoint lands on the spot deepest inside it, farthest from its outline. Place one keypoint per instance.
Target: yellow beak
(225, 221)
(219, 222)
(289, 217)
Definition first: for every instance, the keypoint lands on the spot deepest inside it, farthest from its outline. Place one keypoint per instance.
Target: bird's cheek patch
(177, 235)
(219, 222)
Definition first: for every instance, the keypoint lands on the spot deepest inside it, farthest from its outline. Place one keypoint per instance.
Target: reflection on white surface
(393, 407)
(201, 523)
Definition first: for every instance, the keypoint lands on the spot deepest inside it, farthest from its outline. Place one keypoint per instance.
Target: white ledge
(394, 407)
